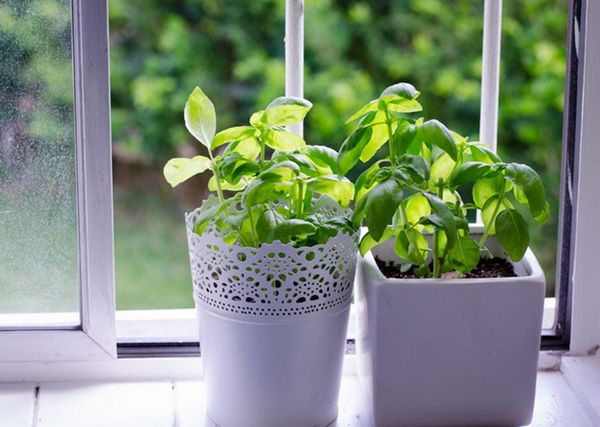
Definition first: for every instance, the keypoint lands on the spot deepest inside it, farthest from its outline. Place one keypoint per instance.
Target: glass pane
(38, 212)
(532, 103)
(159, 52)
(356, 49)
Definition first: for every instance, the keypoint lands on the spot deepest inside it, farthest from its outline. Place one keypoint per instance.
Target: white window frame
(94, 338)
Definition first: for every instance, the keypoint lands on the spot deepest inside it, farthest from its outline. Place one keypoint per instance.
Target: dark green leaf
(323, 157)
(383, 200)
(289, 228)
(433, 132)
(512, 233)
(442, 217)
(469, 172)
(531, 184)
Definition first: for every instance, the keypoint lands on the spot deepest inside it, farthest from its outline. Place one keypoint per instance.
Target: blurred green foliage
(161, 49)
(354, 49)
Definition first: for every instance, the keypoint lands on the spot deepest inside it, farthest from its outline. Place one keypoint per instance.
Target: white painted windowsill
(559, 401)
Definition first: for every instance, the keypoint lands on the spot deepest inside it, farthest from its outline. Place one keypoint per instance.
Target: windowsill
(559, 400)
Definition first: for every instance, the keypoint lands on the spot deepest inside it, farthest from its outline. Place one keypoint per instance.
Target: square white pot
(437, 352)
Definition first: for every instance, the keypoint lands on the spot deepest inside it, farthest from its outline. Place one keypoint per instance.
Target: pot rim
(528, 263)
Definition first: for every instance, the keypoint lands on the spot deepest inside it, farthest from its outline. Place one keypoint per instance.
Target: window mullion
(294, 53)
(490, 73)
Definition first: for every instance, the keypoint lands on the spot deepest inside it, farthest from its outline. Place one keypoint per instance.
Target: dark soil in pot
(487, 268)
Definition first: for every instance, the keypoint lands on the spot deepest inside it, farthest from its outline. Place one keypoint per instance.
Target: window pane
(159, 52)
(38, 213)
(532, 103)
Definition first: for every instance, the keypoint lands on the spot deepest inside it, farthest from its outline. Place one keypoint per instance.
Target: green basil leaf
(323, 157)
(531, 184)
(441, 169)
(266, 223)
(360, 209)
(289, 228)
(512, 233)
(371, 106)
(338, 188)
(484, 189)
(417, 207)
(261, 190)
(469, 172)
(481, 153)
(464, 255)
(403, 138)
(248, 148)
(283, 140)
(366, 180)
(368, 242)
(402, 90)
(383, 200)
(396, 104)
(377, 139)
(200, 118)
(352, 148)
(225, 185)
(180, 169)
(232, 134)
(210, 208)
(433, 132)
(442, 217)
(411, 245)
(287, 110)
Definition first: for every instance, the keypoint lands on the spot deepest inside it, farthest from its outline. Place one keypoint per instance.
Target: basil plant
(414, 193)
(265, 177)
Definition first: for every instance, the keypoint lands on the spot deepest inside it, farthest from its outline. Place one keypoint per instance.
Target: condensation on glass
(38, 202)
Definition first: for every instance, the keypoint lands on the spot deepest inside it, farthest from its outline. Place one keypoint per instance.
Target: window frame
(94, 337)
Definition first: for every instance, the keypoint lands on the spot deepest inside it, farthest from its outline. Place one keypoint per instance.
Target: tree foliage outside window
(161, 49)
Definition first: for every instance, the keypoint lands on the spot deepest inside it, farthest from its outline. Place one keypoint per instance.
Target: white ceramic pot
(273, 324)
(449, 352)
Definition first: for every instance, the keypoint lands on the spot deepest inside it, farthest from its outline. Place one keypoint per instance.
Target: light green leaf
(464, 255)
(323, 157)
(232, 134)
(212, 185)
(248, 148)
(398, 105)
(200, 117)
(377, 139)
(484, 189)
(260, 191)
(411, 245)
(487, 213)
(284, 140)
(287, 110)
(180, 169)
(441, 169)
(368, 242)
(371, 106)
(338, 188)
(512, 233)
(417, 207)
